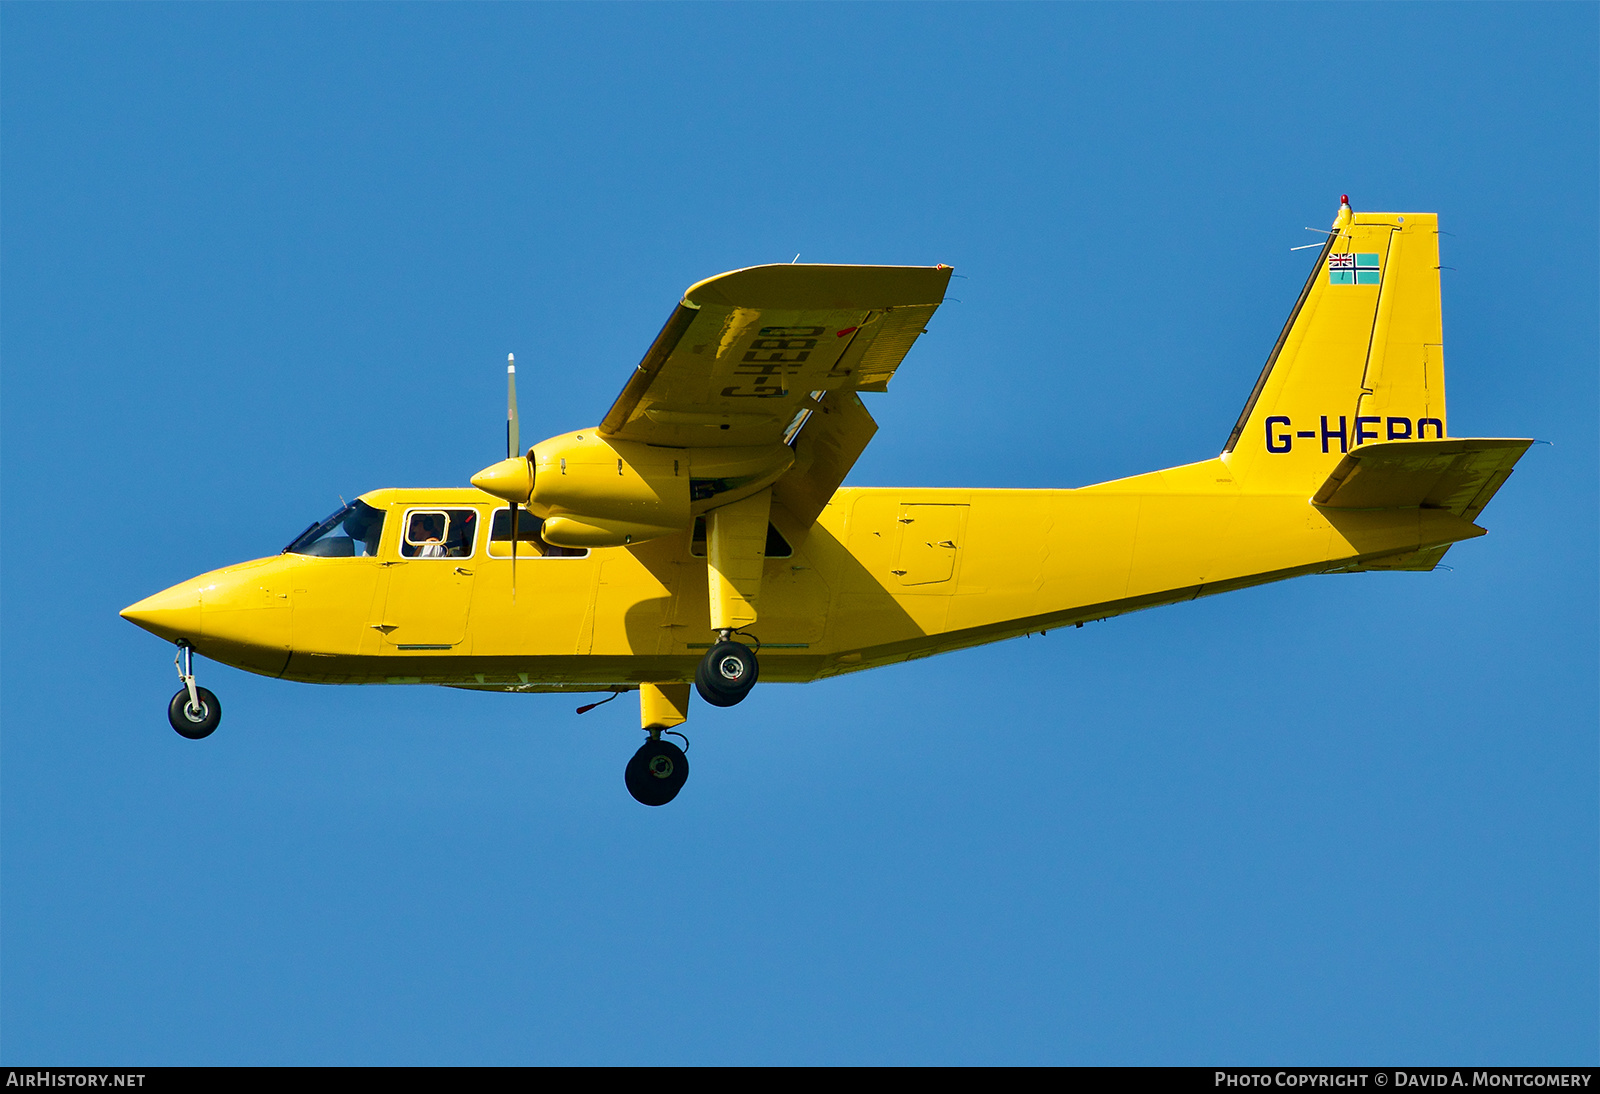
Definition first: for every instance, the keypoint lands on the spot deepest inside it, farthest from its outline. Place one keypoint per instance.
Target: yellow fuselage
(884, 575)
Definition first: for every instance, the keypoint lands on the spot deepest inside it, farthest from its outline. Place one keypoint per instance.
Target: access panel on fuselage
(928, 542)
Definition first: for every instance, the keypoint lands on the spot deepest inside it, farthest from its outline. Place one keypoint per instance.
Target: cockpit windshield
(351, 532)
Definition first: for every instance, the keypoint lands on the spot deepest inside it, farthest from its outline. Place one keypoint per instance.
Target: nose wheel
(656, 773)
(194, 712)
(196, 717)
(726, 673)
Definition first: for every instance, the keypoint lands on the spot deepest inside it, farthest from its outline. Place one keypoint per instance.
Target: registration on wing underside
(747, 351)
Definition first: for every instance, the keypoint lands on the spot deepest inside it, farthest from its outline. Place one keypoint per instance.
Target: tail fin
(1361, 358)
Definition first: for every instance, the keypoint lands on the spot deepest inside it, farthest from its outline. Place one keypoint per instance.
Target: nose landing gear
(657, 772)
(194, 712)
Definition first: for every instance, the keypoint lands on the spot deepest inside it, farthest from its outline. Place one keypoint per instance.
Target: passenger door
(429, 595)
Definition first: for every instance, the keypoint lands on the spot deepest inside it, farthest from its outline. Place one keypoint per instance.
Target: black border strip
(1225, 1078)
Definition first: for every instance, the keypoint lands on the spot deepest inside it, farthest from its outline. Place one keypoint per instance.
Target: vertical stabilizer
(1360, 359)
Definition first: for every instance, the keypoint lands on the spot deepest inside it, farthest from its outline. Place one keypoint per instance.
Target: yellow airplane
(703, 522)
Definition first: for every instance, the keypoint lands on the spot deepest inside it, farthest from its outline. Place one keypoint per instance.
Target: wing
(747, 355)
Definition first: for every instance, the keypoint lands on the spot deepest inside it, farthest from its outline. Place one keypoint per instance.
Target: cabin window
(530, 544)
(777, 546)
(350, 532)
(439, 533)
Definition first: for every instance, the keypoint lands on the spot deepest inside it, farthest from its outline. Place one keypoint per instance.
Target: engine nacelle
(592, 491)
(598, 493)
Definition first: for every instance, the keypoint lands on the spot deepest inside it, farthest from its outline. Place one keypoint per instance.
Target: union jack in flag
(1351, 268)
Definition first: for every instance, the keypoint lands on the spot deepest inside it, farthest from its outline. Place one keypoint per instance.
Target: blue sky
(257, 256)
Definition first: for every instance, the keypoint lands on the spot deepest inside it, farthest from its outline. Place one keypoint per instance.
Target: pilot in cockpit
(424, 532)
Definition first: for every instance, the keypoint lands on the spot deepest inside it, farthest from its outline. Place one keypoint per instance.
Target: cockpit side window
(351, 532)
(439, 533)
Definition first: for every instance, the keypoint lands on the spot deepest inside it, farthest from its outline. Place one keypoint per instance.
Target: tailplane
(1442, 485)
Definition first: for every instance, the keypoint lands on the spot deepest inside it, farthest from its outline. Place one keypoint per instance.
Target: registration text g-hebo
(1346, 434)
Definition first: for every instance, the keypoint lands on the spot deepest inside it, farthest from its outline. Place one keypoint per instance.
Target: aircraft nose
(171, 614)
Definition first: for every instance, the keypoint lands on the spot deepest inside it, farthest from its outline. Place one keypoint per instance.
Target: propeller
(512, 478)
(513, 450)
(513, 446)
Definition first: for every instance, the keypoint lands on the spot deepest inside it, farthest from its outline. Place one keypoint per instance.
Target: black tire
(189, 723)
(656, 773)
(726, 674)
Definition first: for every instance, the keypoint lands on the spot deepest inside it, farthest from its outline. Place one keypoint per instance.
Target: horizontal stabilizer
(1417, 561)
(1459, 475)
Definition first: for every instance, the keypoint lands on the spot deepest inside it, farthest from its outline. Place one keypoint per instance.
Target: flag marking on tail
(1353, 269)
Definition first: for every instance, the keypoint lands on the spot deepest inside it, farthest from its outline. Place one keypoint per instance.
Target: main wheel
(191, 723)
(726, 674)
(656, 773)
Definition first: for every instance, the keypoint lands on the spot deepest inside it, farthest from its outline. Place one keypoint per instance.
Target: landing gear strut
(726, 673)
(194, 712)
(736, 541)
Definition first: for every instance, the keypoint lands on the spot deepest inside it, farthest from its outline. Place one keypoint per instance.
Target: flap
(826, 449)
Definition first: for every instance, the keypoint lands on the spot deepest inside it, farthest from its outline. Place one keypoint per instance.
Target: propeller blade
(513, 444)
(513, 451)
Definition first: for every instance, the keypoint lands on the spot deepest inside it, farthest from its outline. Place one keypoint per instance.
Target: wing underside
(748, 355)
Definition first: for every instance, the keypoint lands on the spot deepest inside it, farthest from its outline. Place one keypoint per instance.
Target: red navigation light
(1344, 199)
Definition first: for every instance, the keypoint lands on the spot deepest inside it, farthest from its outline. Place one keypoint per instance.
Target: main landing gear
(194, 712)
(736, 554)
(727, 672)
